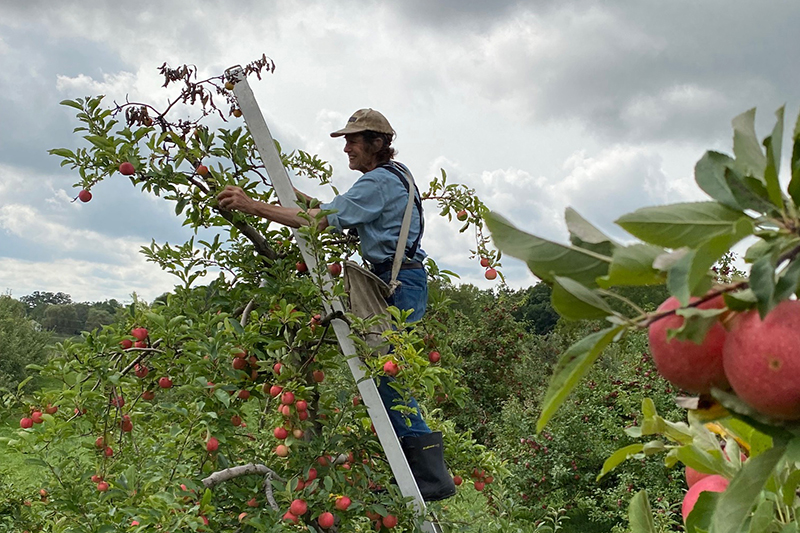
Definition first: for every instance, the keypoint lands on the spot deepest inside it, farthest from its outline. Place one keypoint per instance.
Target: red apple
(301, 405)
(277, 368)
(165, 383)
(36, 416)
(711, 484)
(434, 356)
(275, 390)
(141, 371)
(335, 269)
(126, 169)
(319, 376)
(479, 485)
(485, 262)
(342, 503)
(212, 444)
(139, 334)
(148, 395)
(289, 517)
(325, 520)
(312, 475)
(287, 398)
(102, 486)
(100, 442)
(457, 480)
(281, 450)
(109, 451)
(462, 215)
(390, 368)
(490, 273)
(687, 365)
(389, 521)
(126, 344)
(252, 502)
(280, 433)
(84, 196)
(239, 364)
(26, 423)
(298, 507)
(51, 409)
(236, 420)
(244, 394)
(301, 267)
(140, 344)
(202, 170)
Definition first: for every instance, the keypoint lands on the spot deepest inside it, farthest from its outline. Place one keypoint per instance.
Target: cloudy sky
(602, 106)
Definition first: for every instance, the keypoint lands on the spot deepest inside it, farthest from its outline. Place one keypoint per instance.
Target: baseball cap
(365, 120)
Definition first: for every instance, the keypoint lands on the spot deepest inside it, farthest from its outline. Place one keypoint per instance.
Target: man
(374, 206)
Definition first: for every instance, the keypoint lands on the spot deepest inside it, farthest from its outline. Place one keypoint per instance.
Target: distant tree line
(57, 312)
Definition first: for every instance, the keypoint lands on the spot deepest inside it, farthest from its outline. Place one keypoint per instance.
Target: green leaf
(690, 273)
(619, 457)
(749, 192)
(207, 495)
(640, 514)
(787, 282)
(576, 302)
(746, 148)
(572, 366)
(633, 265)
(71, 103)
(763, 517)
(679, 225)
(584, 235)
(695, 325)
(762, 281)
(734, 505)
(709, 174)
(699, 519)
(794, 184)
(773, 146)
(547, 259)
(740, 301)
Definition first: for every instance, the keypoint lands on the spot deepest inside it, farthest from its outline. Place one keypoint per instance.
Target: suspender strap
(407, 180)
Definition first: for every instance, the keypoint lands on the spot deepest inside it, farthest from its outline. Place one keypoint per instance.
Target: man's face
(359, 153)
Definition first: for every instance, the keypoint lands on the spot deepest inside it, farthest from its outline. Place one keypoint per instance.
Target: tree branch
(236, 471)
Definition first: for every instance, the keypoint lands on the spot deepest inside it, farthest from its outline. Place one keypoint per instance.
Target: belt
(386, 266)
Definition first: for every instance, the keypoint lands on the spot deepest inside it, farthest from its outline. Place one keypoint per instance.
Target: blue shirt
(374, 206)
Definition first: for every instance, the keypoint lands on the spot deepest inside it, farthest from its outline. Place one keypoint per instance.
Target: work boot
(425, 455)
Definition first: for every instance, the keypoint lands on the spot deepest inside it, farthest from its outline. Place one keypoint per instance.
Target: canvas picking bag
(367, 292)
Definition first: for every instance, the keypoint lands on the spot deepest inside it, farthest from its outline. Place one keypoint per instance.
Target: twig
(237, 471)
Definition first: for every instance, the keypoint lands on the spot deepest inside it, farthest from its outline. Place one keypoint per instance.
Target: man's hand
(235, 199)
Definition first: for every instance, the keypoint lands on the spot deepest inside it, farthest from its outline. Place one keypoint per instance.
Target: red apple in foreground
(325, 520)
(490, 274)
(335, 269)
(84, 196)
(762, 360)
(434, 356)
(711, 484)
(102, 486)
(202, 170)
(298, 507)
(26, 423)
(139, 334)
(212, 444)
(687, 365)
(342, 503)
(165, 383)
(485, 262)
(390, 368)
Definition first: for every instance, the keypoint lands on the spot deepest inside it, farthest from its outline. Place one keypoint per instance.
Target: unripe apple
(434, 356)
(126, 169)
(126, 344)
(26, 423)
(390, 368)
(342, 503)
(139, 334)
(281, 450)
(165, 383)
(711, 484)
(485, 262)
(687, 365)
(389, 521)
(287, 398)
(202, 170)
(490, 273)
(462, 215)
(335, 269)
(212, 444)
(301, 267)
(762, 360)
(84, 196)
(298, 507)
(325, 520)
(318, 375)
(102, 486)
(280, 433)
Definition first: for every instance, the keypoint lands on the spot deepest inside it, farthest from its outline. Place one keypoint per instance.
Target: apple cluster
(759, 359)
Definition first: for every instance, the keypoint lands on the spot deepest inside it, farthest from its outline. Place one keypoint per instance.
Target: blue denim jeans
(411, 294)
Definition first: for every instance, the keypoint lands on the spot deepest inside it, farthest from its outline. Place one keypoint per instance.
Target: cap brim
(347, 130)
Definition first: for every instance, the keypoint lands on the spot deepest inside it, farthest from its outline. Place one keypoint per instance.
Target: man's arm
(235, 199)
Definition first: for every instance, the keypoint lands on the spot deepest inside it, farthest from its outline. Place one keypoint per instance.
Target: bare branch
(236, 471)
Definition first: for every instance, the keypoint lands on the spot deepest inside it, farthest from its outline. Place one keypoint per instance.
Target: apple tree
(730, 341)
(226, 405)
